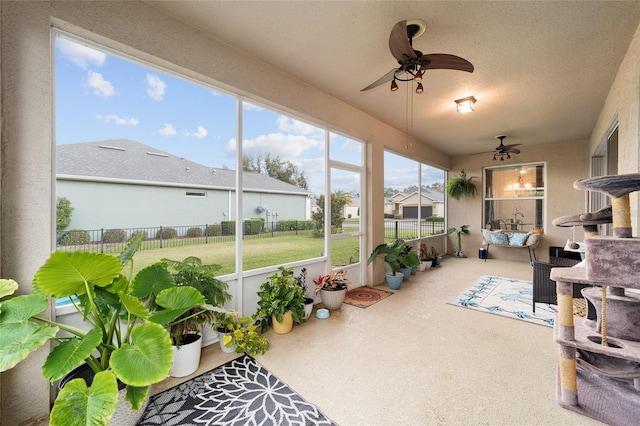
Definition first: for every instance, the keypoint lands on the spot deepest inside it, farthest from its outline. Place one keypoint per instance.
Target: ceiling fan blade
(445, 61)
(511, 146)
(514, 150)
(385, 78)
(399, 42)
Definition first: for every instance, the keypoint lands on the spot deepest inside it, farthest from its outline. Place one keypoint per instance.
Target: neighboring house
(432, 204)
(126, 184)
(353, 208)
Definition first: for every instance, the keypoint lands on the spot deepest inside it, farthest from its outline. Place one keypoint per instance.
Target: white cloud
(100, 86)
(118, 121)
(287, 147)
(200, 133)
(79, 54)
(296, 127)
(251, 107)
(168, 130)
(155, 87)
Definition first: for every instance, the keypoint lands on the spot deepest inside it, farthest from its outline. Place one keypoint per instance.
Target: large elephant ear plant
(131, 341)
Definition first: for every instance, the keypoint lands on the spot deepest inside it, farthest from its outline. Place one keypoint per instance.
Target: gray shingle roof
(128, 160)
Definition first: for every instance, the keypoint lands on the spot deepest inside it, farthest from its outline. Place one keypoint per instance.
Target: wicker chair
(544, 288)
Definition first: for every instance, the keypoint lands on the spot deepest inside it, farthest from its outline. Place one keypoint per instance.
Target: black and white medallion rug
(240, 392)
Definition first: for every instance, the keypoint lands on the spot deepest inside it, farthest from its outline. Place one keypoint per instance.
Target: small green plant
(461, 186)
(464, 229)
(408, 258)
(394, 255)
(114, 236)
(191, 272)
(166, 233)
(75, 237)
(278, 294)
(242, 332)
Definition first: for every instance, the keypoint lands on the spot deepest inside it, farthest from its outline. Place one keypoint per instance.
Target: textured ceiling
(542, 68)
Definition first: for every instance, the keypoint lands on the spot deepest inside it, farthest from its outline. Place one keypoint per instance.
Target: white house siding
(288, 206)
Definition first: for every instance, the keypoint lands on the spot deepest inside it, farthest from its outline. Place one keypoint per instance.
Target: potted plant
(391, 254)
(461, 186)
(238, 333)
(308, 301)
(425, 258)
(435, 256)
(408, 260)
(332, 288)
(132, 342)
(281, 302)
(186, 332)
(464, 229)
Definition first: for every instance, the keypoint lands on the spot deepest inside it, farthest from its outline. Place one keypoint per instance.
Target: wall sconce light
(465, 105)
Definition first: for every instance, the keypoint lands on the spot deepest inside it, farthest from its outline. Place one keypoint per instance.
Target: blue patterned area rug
(508, 297)
(240, 392)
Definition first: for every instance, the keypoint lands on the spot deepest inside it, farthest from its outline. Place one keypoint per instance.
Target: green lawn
(257, 252)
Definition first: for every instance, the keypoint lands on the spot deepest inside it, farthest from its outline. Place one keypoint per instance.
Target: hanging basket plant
(461, 186)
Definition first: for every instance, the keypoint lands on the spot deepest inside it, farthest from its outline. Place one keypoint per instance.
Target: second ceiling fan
(414, 63)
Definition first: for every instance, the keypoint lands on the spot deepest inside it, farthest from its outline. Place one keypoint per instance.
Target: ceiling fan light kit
(503, 151)
(412, 62)
(465, 105)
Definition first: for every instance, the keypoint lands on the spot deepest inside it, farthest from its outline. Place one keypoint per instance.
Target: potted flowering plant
(425, 258)
(332, 288)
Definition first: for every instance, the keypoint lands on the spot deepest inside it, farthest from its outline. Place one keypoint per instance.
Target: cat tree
(599, 360)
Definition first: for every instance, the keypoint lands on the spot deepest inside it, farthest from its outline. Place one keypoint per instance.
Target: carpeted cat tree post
(599, 360)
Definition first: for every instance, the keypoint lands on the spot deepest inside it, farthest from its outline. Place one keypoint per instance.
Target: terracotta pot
(285, 326)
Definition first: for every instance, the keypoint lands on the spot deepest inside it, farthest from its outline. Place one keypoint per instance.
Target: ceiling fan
(503, 150)
(412, 62)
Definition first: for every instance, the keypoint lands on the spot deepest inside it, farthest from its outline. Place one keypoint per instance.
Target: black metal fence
(407, 229)
(114, 240)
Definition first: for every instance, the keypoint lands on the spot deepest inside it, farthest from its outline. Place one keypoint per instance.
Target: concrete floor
(413, 359)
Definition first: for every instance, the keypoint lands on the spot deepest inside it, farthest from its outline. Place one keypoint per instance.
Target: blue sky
(100, 96)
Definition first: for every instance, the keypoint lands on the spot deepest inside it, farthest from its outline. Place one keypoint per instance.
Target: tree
(283, 170)
(388, 192)
(338, 200)
(438, 186)
(63, 213)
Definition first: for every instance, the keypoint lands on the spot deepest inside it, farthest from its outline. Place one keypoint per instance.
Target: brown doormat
(363, 297)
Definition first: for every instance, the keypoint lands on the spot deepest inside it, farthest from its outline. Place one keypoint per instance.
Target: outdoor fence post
(396, 237)
(101, 240)
(206, 233)
(161, 237)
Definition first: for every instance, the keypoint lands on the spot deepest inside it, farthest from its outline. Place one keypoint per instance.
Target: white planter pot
(332, 299)
(308, 308)
(186, 358)
(225, 349)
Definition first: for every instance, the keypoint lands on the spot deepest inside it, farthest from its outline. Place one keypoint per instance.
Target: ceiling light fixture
(465, 105)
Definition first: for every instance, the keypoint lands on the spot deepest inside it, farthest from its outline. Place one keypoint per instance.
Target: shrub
(434, 219)
(63, 213)
(228, 227)
(166, 233)
(75, 237)
(114, 236)
(397, 216)
(214, 230)
(195, 232)
(253, 226)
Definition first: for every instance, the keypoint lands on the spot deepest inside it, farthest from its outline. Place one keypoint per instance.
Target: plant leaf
(176, 301)
(7, 287)
(18, 340)
(136, 395)
(151, 280)
(64, 274)
(80, 405)
(134, 305)
(147, 359)
(69, 354)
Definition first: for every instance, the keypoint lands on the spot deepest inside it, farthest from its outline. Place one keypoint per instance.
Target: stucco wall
(565, 162)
